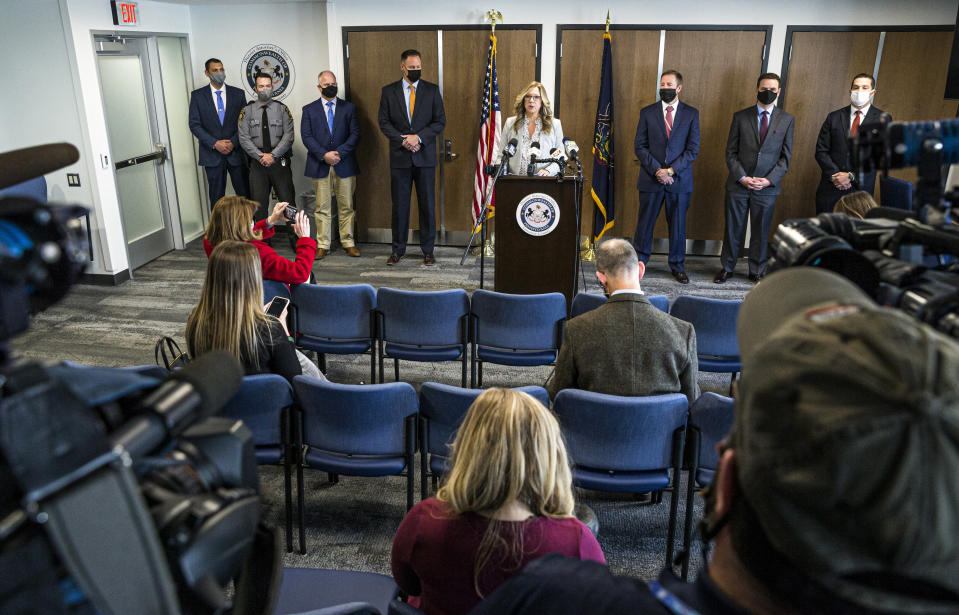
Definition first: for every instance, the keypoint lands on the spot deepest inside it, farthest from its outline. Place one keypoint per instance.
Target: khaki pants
(326, 188)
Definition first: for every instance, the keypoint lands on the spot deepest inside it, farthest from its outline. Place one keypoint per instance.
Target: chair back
(422, 318)
(444, 407)
(629, 434)
(585, 302)
(711, 416)
(355, 419)
(35, 189)
(335, 313)
(273, 288)
(895, 192)
(259, 404)
(518, 322)
(714, 321)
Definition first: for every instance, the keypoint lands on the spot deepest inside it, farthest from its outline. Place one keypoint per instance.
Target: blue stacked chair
(585, 302)
(715, 324)
(336, 320)
(625, 444)
(337, 592)
(895, 192)
(520, 330)
(422, 326)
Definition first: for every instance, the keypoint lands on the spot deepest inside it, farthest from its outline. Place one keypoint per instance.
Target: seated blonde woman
(855, 204)
(230, 316)
(532, 122)
(507, 500)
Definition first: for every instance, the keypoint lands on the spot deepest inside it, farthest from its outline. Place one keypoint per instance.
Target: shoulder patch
(242, 113)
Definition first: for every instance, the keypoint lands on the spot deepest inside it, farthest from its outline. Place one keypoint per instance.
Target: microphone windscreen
(890, 213)
(513, 142)
(19, 165)
(216, 376)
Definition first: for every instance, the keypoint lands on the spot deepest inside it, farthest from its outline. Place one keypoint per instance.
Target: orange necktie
(412, 101)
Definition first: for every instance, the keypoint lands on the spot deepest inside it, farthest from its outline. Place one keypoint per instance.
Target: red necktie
(855, 125)
(669, 120)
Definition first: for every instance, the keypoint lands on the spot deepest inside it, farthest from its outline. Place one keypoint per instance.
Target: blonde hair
(229, 315)
(509, 447)
(545, 112)
(855, 204)
(231, 219)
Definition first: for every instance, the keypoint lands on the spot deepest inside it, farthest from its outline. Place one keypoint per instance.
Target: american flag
(490, 133)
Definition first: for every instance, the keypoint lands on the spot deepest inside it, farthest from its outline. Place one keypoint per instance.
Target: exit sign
(125, 13)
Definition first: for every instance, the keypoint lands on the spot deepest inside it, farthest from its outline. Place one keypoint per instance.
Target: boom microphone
(571, 149)
(195, 392)
(20, 165)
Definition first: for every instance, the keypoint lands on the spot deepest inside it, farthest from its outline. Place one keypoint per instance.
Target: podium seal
(537, 214)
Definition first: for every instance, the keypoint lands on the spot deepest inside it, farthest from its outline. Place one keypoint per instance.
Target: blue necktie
(329, 116)
(219, 106)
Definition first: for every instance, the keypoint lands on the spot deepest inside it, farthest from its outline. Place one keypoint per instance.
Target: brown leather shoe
(320, 254)
(393, 259)
(429, 259)
(352, 251)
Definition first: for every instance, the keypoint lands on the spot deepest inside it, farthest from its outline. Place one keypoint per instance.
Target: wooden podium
(527, 263)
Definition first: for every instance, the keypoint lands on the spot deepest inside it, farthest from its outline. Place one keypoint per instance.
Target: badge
(273, 61)
(537, 214)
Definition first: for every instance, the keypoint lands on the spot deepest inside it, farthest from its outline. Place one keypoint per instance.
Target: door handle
(448, 151)
(159, 154)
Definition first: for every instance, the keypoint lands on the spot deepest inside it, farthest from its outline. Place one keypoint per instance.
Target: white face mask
(859, 98)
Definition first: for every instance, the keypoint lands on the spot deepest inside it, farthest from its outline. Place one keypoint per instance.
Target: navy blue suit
(206, 127)
(318, 141)
(655, 151)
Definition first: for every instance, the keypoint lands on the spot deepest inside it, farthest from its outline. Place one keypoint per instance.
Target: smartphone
(277, 306)
(289, 213)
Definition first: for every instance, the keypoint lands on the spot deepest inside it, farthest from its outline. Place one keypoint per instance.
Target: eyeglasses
(532, 97)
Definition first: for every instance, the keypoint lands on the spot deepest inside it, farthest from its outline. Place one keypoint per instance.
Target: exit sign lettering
(124, 13)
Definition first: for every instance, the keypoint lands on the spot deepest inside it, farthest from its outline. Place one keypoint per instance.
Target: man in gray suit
(627, 346)
(758, 149)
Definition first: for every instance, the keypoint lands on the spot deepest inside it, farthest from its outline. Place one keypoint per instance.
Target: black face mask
(667, 94)
(766, 97)
(413, 75)
(329, 91)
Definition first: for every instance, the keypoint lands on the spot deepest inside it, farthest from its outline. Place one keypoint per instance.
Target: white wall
(227, 32)
(779, 14)
(82, 19)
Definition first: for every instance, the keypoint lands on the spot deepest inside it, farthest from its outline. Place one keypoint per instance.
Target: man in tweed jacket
(627, 346)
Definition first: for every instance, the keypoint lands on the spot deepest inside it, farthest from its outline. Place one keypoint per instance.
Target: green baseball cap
(847, 440)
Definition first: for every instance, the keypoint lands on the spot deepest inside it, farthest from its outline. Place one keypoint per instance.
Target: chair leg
(321, 360)
(473, 366)
(424, 466)
(694, 443)
(381, 360)
(732, 379)
(372, 365)
(479, 379)
(300, 505)
(287, 477)
(463, 383)
(396, 370)
(410, 437)
(678, 440)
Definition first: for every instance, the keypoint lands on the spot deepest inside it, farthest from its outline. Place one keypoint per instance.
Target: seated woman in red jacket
(508, 500)
(232, 219)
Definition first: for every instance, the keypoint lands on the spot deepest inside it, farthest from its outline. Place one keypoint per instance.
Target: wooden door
(912, 81)
(464, 71)
(719, 68)
(820, 73)
(635, 55)
(373, 60)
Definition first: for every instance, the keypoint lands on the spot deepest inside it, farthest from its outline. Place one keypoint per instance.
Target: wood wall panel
(374, 61)
(719, 71)
(820, 72)
(635, 55)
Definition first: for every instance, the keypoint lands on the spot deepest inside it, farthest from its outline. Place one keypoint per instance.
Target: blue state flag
(603, 190)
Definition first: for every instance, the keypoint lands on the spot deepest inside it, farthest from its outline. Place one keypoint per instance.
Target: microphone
(572, 150)
(510, 148)
(20, 165)
(558, 154)
(195, 392)
(533, 155)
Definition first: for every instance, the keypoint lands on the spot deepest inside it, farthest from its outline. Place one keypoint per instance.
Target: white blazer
(547, 142)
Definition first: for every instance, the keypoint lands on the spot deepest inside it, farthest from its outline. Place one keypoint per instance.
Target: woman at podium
(533, 123)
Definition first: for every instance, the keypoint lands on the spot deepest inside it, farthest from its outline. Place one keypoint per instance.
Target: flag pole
(589, 254)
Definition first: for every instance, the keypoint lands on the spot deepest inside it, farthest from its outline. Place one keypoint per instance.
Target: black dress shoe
(681, 277)
(722, 276)
(393, 259)
(429, 259)
(753, 277)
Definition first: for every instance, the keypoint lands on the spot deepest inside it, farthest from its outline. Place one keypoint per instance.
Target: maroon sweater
(434, 552)
(275, 267)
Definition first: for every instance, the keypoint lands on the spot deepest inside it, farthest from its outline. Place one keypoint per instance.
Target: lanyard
(669, 600)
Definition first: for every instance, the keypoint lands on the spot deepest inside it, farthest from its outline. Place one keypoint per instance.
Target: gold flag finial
(493, 16)
(607, 22)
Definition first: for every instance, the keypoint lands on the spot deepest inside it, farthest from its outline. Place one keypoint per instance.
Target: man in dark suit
(214, 110)
(667, 142)
(627, 346)
(411, 115)
(330, 131)
(832, 147)
(758, 149)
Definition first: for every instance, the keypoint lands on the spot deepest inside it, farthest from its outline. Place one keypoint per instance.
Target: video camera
(119, 492)
(904, 259)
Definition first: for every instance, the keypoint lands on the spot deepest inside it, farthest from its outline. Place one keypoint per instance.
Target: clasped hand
(412, 143)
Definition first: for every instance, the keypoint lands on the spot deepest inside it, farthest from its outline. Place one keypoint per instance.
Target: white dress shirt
(222, 92)
(862, 118)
